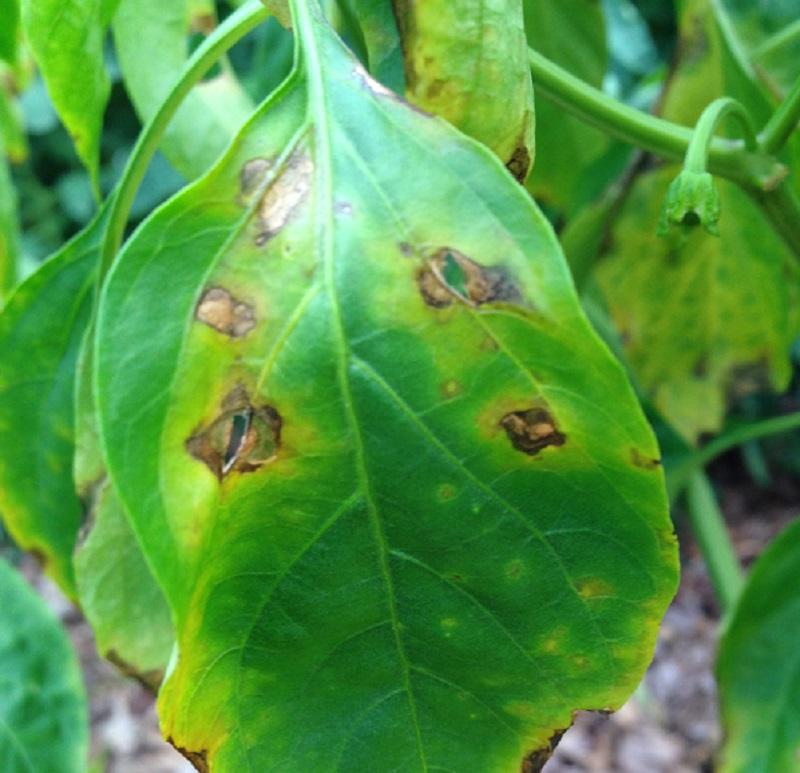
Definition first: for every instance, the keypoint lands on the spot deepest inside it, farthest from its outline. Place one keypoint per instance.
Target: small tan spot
(227, 315)
(532, 430)
(284, 196)
(645, 462)
(451, 389)
(594, 587)
(446, 492)
(513, 569)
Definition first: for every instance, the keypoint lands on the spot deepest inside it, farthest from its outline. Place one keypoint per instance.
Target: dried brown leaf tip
(642, 460)
(520, 163)
(198, 759)
(451, 275)
(532, 430)
(227, 315)
(243, 438)
(536, 760)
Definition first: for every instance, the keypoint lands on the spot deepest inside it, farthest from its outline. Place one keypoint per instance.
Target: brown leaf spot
(532, 430)
(520, 163)
(243, 438)
(252, 176)
(534, 761)
(446, 492)
(451, 388)
(645, 462)
(451, 275)
(227, 315)
(198, 759)
(284, 196)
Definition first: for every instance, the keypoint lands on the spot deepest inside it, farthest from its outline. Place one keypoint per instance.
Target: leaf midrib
(318, 113)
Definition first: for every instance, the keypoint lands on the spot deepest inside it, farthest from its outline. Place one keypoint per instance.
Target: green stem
(703, 135)
(782, 122)
(727, 158)
(758, 174)
(235, 27)
(711, 533)
(678, 478)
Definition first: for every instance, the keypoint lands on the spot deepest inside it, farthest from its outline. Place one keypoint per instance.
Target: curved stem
(678, 479)
(727, 158)
(782, 123)
(760, 175)
(711, 533)
(703, 135)
(235, 27)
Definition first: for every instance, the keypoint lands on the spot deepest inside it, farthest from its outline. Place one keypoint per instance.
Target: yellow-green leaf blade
(401, 500)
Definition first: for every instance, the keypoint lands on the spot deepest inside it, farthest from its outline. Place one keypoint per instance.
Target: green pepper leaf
(66, 38)
(759, 665)
(705, 319)
(116, 589)
(9, 228)
(467, 61)
(43, 715)
(150, 38)
(572, 34)
(401, 500)
(41, 329)
(9, 31)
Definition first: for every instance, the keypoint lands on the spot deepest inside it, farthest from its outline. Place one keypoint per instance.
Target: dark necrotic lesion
(243, 438)
(450, 276)
(532, 430)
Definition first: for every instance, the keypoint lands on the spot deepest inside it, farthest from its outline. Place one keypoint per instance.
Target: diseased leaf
(571, 33)
(150, 38)
(41, 329)
(116, 590)
(401, 500)
(758, 666)
(467, 61)
(66, 38)
(704, 319)
(43, 716)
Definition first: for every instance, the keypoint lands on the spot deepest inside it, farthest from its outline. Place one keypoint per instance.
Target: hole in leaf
(532, 430)
(243, 438)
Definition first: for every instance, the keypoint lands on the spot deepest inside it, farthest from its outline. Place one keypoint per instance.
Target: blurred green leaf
(41, 329)
(704, 319)
(116, 590)
(382, 38)
(572, 34)
(9, 30)
(758, 666)
(467, 61)
(66, 38)
(9, 229)
(43, 713)
(151, 42)
(12, 132)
